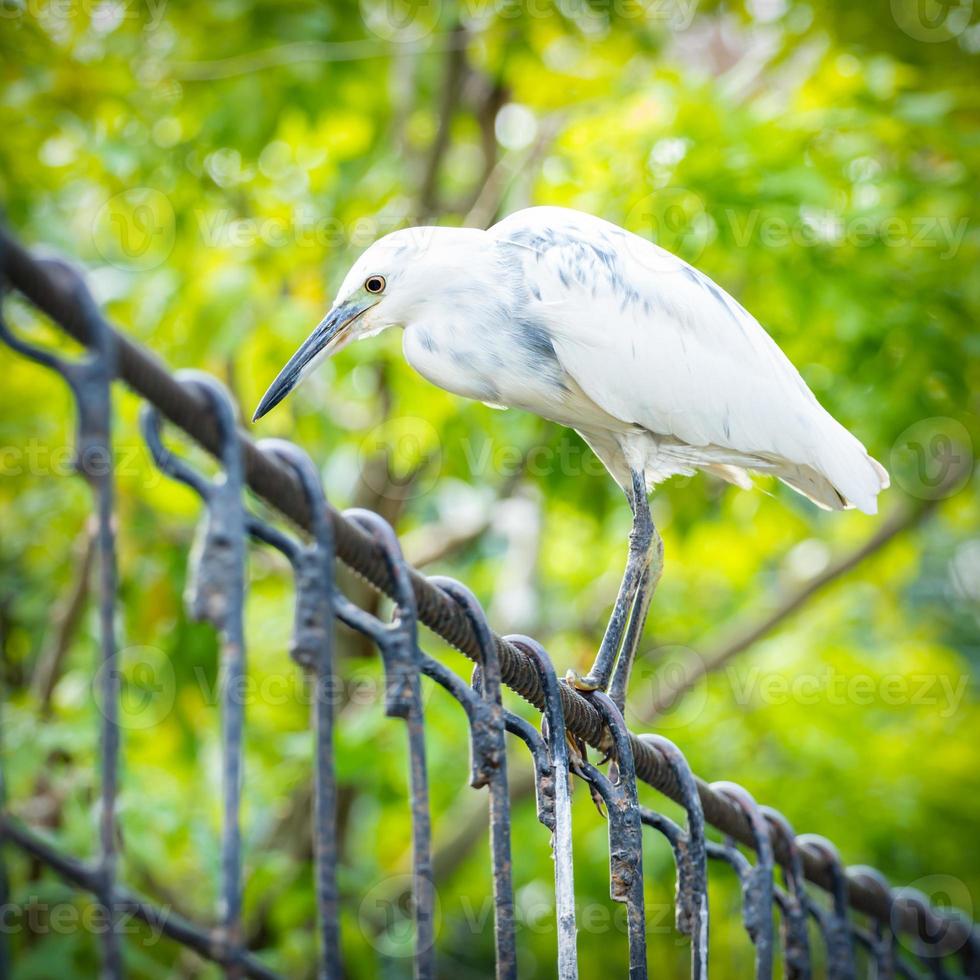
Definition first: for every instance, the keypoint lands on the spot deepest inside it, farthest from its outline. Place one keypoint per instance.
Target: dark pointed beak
(328, 337)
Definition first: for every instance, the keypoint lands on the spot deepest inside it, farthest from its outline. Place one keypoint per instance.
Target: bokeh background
(216, 167)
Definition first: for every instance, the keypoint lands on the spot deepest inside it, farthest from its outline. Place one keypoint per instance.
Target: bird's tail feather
(858, 482)
(806, 480)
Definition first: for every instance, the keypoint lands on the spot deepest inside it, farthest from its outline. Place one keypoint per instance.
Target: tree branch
(743, 638)
(452, 87)
(67, 619)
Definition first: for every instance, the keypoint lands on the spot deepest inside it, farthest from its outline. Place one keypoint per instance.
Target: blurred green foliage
(216, 167)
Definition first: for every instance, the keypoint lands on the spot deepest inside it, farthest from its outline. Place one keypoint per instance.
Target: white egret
(579, 321)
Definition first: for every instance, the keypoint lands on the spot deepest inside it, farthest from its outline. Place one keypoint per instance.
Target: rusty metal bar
(690, 856)
(313, 650)
(89, 380)
(398, 643)
(216, 594)
(618, 792)
(496, 756)
(792, 901)
(757, 879)
(554, 734)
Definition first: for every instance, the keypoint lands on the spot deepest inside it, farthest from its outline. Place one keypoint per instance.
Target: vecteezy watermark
(673, 218)
(104, 15)
(386, 916)
(537, 915)
(933, 458)
(669, 688)
(402, 458)
(811, 228)
(148, 687)
(39, 917)
(411, 21)
(953, 903)
(754, 685)
(135, 229)
(293, 686)
(676, 15)
(933, 21)
(568, 457)
(36, 458)
(406, 21)
(305, 227)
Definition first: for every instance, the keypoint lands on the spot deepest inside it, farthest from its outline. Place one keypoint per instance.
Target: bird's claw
(587, 683)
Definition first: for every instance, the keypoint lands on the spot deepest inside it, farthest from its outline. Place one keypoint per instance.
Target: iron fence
(862, 913)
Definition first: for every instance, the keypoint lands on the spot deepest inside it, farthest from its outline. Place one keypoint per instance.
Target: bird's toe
(587, 683)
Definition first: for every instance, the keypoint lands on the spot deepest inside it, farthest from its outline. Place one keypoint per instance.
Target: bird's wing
(655, 343)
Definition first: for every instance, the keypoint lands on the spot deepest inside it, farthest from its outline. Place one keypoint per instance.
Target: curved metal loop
(479, 716)
(403, 661)
(312, 647)
(835, 925)
(793, 901)
(100, 334)
(398, 638)
(618, 791)
(757, 881)
(220, 402)
(489, 660)
(883, 947)
(217, 562)
(310, 483)
(88, 377)
(552, 728)
(489, 749)
(312, 641)
(554, 802)
(538, 748)
(216, 594)
(396, 566)
(488, 744)
(690, 856)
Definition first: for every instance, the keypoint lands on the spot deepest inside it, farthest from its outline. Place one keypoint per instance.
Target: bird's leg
(638, 617)
(634, 587)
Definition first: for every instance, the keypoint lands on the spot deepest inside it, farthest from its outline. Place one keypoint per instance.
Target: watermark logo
(399, 459)
(668, 688)
(812, 228)
(405, 21)
(37, 458)
(933, 458)
(135, 230)
(40, 918)
(147, 686)
(676, 221)
(386, 916)
(104, 15)
(953, 904)
(942, 693)
(932, 21)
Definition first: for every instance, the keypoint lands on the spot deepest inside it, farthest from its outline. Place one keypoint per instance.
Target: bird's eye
(374, 284)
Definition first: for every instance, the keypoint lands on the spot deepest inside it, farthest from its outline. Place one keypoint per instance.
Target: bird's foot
(587, 683)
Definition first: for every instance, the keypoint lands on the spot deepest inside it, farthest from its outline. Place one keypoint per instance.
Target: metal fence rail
(861, 913)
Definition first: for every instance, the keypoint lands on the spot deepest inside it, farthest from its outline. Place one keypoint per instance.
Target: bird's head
(387, 286)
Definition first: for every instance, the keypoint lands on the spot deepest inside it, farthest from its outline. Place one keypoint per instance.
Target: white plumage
(675, 355)
(573, 318)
